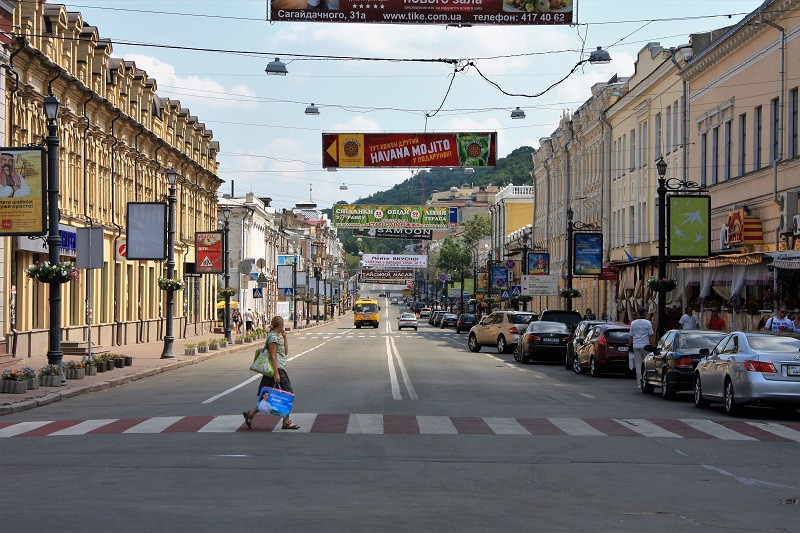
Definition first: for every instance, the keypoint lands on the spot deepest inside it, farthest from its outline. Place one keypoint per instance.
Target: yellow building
(118, 138)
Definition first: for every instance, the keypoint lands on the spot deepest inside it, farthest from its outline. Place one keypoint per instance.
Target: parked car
(750, 369)
(570, 318)
(500, 328)
(407, 320)
(580, 333)
(673, 360)
(465, 322)
(433, 316)
(425, 312)
(448, 320)
(437, 318)
(393, 301)
(543, 341)
(605, 349)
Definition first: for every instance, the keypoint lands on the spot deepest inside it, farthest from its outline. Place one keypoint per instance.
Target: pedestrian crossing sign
(516, 290)
(504, 294)
(288, 292)
(258, 293)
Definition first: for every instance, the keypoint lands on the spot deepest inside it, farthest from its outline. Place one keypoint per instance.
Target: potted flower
(171, 284)
(239, 339)
(223, 342)
(190, 349)
(90, 367)
(213, 344)
(48, 272)
(30, 377)
(119, 360)
(248, 338)
(128, 360)
(202, 347)
(228, 292)
(74, 370)
(663, 284)
(50, 376)
(100, 364)
(13, 382)
(570, 292)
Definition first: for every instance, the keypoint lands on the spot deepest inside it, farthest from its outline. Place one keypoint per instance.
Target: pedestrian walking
(589, 315)
(795, 317)
(689, 320)
(641, 334)
(248, 320)
(236, 318)
(278, 350)
(779, 322)
(716, 322)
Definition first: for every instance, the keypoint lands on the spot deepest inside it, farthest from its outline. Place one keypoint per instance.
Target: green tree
(476, 228)
(454, 258)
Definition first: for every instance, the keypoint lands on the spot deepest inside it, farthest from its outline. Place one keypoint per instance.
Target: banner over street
(390, 260)
(471, 12)
(390, 216)
(386, 150)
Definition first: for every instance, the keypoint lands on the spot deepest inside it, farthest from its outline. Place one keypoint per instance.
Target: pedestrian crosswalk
(377, 424)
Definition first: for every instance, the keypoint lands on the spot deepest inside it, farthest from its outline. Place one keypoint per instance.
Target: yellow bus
(366, 313)
(221, 312)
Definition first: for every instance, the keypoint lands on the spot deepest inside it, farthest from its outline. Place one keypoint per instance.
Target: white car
(407, 320)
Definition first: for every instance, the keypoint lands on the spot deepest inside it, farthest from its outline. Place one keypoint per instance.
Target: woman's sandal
(288, 424)
(247, 420)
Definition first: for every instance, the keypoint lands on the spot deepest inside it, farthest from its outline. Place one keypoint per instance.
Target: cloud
(205, 91)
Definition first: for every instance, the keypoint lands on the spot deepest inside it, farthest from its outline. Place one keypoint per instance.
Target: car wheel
(358, 326)
(699, 401)
(568, 361)
(472, 343)
(502, 347)
(594, 368)
(731, 407)
(415, 328)
(667, 392)
(645, 385)
(576, 365)
(518, 354)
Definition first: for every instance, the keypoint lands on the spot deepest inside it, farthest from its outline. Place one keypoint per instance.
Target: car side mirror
(704, 352)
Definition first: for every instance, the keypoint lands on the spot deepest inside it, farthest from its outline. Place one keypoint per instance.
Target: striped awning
(786, 260)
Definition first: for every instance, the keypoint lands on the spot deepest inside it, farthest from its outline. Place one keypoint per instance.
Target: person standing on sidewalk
(248, 320)
(689, 320)
(715, 322)
(278, 350)
(641, 334)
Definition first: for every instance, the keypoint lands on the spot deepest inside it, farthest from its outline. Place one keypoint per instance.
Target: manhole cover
(791, 501)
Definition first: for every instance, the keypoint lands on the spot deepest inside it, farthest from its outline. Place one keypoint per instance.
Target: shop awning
(788, 260)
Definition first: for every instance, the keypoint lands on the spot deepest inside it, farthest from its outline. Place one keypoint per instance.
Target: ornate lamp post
(226, 253)
(169, 338)
(54, 353)
(571, 227)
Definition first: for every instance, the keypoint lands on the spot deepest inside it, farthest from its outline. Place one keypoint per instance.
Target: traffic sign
(516, 290)
(442, 277)
(510, 264)
(258, 293)
(505, 294)
(288, 292)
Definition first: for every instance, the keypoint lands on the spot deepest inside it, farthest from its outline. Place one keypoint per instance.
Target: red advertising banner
(359, 150)
(472, 12)
(209, 252)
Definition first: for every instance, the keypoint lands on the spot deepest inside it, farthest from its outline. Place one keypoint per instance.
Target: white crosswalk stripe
(84, 427)
(778, 429)
(436, 425)
(575, 427)
(223, 424)
(717, 430)
(505, 426)
(22, 427)
(645, 428)
(154, 425)
(365, 424)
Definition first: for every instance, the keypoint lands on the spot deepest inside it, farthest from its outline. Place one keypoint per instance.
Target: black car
(570, 318)
(433, 316)
(437, 318)
(579, 334)
(673, 360)
(543, 341)
(448, 320)
(465, 322)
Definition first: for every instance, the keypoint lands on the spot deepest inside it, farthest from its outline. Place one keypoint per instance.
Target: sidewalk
(146, 362)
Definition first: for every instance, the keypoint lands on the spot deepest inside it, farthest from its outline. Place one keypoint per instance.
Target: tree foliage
(476, 228)
(454, 258)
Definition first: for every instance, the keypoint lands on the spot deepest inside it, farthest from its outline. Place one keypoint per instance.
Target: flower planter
(110, 366)
(75, 374)
(239, 341)
(91, 370)
(223, 344)
(128, 360)
(189, 351)
(202, 349)
(213, 346)
(13, 387)
(119, 363)
(51, 381)
(101, 367)
(248, 340)
(33, 383)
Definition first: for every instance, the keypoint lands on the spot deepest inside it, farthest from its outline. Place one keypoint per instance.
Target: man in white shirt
(779, 322)
(248, 320)
(689, 320)
(641, 334)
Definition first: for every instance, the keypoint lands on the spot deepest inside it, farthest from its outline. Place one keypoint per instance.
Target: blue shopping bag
(275, 401)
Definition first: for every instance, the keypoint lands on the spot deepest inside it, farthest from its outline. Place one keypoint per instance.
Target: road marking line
(714, 429)
(223, 424)
(154, 425)
(436, 425)
(84, 427)
(304, 420)
(406, 380)
(365, 424)
(392, 374)
(586, 395)
(575, 427)
(505, 426)
(643, 427)
(777, 429)
(22, 427)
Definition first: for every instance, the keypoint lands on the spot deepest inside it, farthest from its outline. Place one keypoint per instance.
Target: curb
(51, 397)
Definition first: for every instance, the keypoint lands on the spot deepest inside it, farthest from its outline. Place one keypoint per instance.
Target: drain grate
(791, 501)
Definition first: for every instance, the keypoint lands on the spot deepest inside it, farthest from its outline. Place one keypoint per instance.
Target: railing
(515, 191)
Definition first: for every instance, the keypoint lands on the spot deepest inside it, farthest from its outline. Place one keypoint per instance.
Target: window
(622, 154)
(703, 157)
(643, 148)
(668, 135)
(714, 155)
(757, 138)
(774, 137)
(643, 221)
(632, 164)
(658, 135)
(793, 123)
(742, 144)
(632, 222)
(726, 152)
(675, 120)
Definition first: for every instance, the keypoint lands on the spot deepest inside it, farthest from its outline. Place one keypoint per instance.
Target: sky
(271, 148)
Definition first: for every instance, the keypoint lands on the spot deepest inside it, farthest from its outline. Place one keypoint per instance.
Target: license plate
(623, 348)
(550, 341)
(793, 370)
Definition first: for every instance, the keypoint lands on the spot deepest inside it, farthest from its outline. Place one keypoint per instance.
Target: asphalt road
(401, 431)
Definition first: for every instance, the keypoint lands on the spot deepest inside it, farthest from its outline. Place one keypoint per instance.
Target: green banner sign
(391, 216)
(689, 223)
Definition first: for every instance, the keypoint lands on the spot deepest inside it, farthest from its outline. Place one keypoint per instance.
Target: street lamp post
(525, 261)
(169, 338)
(54, 353)
(571, 227)
(226, 253)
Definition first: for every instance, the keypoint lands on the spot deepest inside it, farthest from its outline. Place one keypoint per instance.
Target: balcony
(512, 192)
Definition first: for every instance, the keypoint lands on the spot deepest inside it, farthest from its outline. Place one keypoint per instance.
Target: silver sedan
(750, 369)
